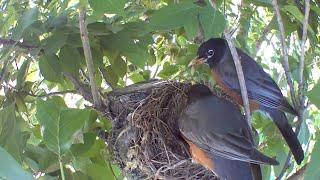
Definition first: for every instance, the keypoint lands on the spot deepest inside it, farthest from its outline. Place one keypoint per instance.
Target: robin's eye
(210, 53)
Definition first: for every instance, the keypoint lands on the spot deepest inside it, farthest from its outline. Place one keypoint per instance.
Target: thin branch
(302, 57)
(243, 88)
(299, 174)
(10, 42)
(284, 49)
(88, 57)
(301, 90)
(265, 32)
(52, 93)
(81, 88)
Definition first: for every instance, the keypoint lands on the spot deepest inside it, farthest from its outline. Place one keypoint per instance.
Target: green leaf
(304, 134)
(11, 136)
(168, 70)
(110, 75)
(7, 123)
(70, 60)
(59, 124)
(108, 6)
(46, 160)
(295, 12)
(10, 169)
(50, 68)
(119, 66)
(314, 95)
(173, 16)
(136, 52)
(22, 74)
(94, 170)
(191, 28)
(54, 42)
(81, 148)
(29, 17)
(313, 168)
(136, 77)
(212, 21)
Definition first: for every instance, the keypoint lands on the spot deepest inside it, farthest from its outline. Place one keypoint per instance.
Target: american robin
(219, 137)
(263, 92)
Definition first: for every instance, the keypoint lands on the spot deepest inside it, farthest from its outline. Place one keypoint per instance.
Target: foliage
(45, 128)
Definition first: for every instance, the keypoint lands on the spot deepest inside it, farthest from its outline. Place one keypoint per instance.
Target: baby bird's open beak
(197, 61)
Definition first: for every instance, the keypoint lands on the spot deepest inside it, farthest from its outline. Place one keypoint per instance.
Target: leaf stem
(61, 169)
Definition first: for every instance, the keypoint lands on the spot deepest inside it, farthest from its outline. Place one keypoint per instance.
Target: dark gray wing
(260, 85)
(218, 127)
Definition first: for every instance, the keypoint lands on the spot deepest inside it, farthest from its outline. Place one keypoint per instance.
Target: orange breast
(200, 156)
(254, 105)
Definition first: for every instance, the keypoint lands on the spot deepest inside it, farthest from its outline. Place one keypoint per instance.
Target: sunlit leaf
(314, 95)
(173, 16)
(59, 124)
(108, 6)
(212, 21)
(313, 167)
(26, 20)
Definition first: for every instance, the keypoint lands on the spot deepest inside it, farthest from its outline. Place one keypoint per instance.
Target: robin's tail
(235, 170)
(289, 135)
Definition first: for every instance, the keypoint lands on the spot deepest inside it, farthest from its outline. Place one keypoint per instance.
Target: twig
(302, 57)
(284, 49)
(80, 87)
(88, 57)
(301, 90)
(243, 88)
(299, 174)
(52, 93)
(265, 32)
(10, 42)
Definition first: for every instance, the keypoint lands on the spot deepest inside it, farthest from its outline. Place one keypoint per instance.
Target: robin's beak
(197, 61)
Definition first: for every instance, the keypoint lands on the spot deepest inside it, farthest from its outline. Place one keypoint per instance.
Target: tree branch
(88, 57)
(302, 57)
(52, 93)
(299, 174)
(243, 88)
(301, 90)
(10, 42)
(284, 49)
(81, 88)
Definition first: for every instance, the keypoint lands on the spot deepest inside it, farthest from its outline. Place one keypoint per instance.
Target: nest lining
(146, 139)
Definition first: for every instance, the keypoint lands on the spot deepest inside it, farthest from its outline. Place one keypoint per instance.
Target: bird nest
(145, 138)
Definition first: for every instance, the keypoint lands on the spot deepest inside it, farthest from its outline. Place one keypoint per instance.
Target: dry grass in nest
(156, 150)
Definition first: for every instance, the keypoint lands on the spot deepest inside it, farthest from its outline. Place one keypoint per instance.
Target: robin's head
(198, 91)
(210, 52)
